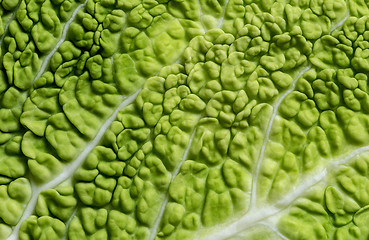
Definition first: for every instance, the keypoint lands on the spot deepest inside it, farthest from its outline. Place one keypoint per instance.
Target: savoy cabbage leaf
(184, 119)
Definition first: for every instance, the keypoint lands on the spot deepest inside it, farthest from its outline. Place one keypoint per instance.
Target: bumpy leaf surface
(184, 119)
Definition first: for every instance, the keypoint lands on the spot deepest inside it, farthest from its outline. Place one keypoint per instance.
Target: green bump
(172, 217)
(37, 109)
(41, 228)
(13, 198)
(59, 203)
(44, 40)
(11, 166)
(120, 225)
(218, 207)
(291, 105)
(5, 231)
(308, 114)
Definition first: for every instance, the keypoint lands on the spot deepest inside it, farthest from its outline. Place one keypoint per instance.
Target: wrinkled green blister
(208, 119)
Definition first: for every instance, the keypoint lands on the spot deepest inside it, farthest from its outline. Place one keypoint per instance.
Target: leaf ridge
(61, 40)
(255, 217)
(6, 29)
(70, 169)
(155, 228)
(267, 134)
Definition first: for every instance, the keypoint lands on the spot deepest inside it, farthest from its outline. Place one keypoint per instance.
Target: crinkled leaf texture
(184, 119)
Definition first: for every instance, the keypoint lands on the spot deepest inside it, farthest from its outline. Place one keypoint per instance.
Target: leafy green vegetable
(184, 119)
